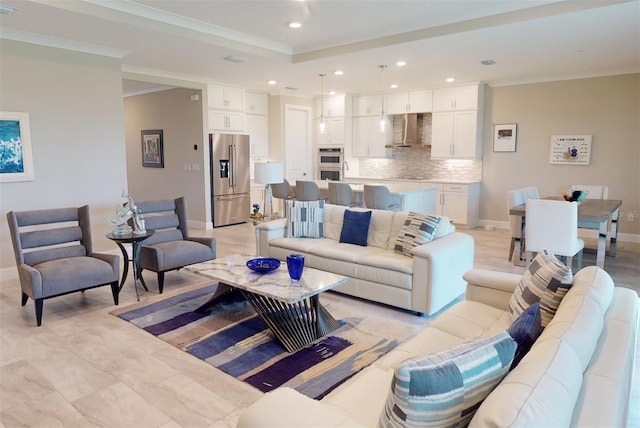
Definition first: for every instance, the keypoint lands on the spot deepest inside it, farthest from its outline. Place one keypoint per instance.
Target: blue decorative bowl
(263, 265)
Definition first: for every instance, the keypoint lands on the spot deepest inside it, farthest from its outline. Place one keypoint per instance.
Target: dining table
(592, 214)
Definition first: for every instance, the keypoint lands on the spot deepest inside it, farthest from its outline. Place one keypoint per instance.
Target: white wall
(74, 101)
(181, 121)
(606, 107)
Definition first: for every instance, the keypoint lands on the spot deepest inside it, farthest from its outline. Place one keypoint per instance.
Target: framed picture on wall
(152, 149)
(16, 160)
(504, 137)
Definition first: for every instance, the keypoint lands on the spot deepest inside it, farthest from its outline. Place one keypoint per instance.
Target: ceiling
(529, 40)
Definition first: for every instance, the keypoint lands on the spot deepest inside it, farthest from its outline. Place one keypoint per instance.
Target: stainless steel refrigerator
(230, 183)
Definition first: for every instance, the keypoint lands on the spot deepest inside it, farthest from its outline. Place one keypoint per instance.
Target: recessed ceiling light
(338, 72)
(236, 59)
(393, 86)
(450, 79)
(487, 62)
(7, 10)
(295, 24)
(271, 82)
(401, 63)
(332, 92)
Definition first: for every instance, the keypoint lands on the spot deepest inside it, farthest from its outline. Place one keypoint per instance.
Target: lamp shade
(268, 173)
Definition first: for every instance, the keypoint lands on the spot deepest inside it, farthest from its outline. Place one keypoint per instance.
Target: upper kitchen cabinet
(333, 106)
(367, 105)
(335, 134)
(367, 141)
(256, 103)
(256, 122)
(225, 97)
(220, 120)
(458, 98)
(457, 123)
(410, 102)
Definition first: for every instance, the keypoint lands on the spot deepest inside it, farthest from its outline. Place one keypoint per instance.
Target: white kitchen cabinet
(367, 141)
(256, 122)
(409, 102)
(367, 105)
(257, 127)
(256, 103)
(459, 202)
(456, 135)
(458, 98)
(333, 106)
(334, 136)
(221, 120)
(225, 97)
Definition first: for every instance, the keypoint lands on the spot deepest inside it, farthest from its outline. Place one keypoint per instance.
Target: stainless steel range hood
(410, 134)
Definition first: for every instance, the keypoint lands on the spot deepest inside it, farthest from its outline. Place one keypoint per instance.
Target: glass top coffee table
(291, 310)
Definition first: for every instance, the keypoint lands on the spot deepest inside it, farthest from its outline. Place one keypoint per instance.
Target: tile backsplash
(416, 162)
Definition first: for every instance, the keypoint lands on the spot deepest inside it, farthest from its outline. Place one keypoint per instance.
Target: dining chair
(308, 191)
(170, 247)
(515, 198)
(593, 191)
(54, 255)
(341, 194)
(379, 197)
(531, 192)
(553, 226)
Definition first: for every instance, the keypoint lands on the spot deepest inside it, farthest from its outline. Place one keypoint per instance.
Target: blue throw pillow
(355, 227)
(525, 330)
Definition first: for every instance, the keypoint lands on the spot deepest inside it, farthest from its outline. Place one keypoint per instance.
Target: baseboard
(633, 238)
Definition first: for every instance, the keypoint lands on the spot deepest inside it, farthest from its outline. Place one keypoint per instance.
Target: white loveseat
(424, 283)
(578, 372)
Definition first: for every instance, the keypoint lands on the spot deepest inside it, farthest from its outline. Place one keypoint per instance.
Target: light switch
(195, 167)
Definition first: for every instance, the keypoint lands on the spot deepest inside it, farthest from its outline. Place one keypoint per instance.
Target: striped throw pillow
(446, 388)
(546, 281)
(305, 219)
(417, 229)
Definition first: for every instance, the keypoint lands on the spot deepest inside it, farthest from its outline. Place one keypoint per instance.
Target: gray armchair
(53, 261)
(170, 247)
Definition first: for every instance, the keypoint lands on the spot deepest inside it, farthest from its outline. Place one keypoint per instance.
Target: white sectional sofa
(424, 283)
(578, 373)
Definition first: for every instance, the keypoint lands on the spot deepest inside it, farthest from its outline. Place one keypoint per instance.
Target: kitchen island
(422, 200)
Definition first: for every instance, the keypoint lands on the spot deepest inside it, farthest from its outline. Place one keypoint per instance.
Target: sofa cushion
(547, 280)
(306, 219)
(525, 330)
(418, 229)
(355, 227)
(445, 388)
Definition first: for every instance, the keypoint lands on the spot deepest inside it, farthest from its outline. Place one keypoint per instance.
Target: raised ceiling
(529, 40)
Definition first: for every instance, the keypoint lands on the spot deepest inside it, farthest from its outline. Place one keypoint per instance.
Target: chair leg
(568, 261)
(529, 253)
(511, 247)
(160, 281)
(25, 297)
(38, 303)
(115, 290)
(580, 259)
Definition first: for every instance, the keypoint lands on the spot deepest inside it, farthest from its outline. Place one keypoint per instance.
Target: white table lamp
(268, 173)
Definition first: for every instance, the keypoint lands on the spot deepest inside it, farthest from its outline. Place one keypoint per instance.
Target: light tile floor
(86, 368)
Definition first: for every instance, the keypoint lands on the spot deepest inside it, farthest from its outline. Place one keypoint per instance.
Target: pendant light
(322, 126)
(383, 123)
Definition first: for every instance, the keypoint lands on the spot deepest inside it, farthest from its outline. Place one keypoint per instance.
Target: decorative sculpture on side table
(124, 213)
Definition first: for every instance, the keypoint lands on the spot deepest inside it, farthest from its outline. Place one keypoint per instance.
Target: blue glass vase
(295, 265)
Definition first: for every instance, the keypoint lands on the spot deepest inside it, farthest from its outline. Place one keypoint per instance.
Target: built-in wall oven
(330, 163)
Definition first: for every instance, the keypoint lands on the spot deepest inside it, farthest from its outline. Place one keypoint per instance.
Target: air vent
(291, 88)
(236, 59)
(487, 62)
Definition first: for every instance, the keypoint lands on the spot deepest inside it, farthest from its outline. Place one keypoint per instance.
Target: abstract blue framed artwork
(16, 160)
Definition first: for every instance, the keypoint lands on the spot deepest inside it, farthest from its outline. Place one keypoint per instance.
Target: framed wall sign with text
(570, 150)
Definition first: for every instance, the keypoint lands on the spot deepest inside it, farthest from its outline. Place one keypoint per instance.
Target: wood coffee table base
(294, 325)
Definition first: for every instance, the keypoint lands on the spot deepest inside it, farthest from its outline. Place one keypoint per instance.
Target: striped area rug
(231, 337)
